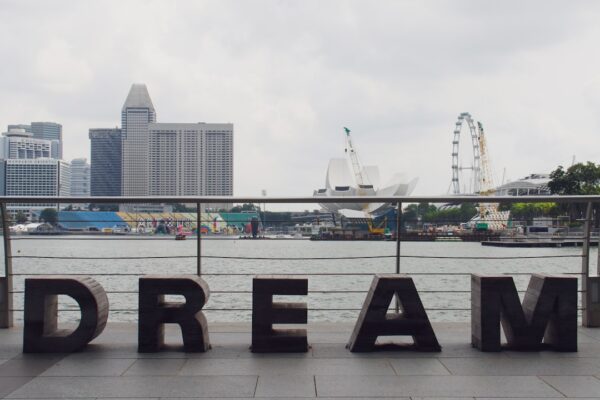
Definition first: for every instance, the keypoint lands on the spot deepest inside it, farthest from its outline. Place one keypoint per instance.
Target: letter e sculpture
(265, 313)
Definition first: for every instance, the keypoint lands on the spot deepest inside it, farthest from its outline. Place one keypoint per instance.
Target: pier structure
(112, 366)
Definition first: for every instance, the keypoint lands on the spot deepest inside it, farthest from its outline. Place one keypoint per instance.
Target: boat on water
(181, 234)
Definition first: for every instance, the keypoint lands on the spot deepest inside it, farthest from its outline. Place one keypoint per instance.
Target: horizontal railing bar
(132, 310)
(296, 258)
(292, 273)
(310, 291)
(301, 199)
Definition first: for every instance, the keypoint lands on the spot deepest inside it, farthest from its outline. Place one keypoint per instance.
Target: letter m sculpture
(547, 318)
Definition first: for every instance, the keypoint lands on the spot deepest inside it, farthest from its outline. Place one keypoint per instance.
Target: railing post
(398, 229)
(199, 239)
(6, 282)
(590, 286)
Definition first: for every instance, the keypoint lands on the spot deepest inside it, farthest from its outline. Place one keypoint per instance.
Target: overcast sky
(290, 74)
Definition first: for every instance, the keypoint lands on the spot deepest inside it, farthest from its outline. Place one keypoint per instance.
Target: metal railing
(8, 290)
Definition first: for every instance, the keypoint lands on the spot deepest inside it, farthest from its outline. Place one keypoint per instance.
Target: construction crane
(362, 185)
(486, 179)
(356, 167)
(486, 187)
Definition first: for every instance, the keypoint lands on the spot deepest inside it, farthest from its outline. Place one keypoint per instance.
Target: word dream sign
(547, 319)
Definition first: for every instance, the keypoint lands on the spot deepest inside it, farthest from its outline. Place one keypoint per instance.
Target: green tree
(103, 207)
(20, 218)
(451, 215)
(578, 179)
(244, 207)
(181, 207)
(49, 216)
(528, 211)
(415, 212)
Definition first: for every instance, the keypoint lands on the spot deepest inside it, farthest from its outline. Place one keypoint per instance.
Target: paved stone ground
(111, 368)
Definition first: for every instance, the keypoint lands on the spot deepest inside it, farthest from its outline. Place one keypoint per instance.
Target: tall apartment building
(219, 160)
(25, 127)
(36, 177)
(49, 131)
(80, 177)
(190, 159)
(137, 112)
(106, 171)
(19, 144)
(46, 131)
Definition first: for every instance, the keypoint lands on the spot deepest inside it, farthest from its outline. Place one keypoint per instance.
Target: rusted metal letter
(547, 318)
(374, 319)
(155, 312)
(40, 333)
(265, 313)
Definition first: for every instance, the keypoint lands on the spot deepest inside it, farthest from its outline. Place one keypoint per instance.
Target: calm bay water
(125, 304)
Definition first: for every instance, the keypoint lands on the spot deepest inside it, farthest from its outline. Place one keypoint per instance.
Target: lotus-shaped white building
(342, 180)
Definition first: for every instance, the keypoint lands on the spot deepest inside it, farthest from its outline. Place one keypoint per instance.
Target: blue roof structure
(89, 220)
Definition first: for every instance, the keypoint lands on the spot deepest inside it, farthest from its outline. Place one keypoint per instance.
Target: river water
(445, 306)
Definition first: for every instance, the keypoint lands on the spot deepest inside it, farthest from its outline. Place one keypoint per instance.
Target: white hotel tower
(173, 159)
(191, 159)
(136, 114)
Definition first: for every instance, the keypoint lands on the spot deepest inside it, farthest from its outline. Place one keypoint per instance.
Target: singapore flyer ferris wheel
(466, 169)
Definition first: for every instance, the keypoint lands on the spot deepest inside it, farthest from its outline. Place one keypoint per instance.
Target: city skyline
(398, 74)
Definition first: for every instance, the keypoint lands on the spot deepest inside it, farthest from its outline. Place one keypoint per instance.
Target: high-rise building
(26, 128)
(190, 159)
(19, 144)
(80, 177)
(136, 114)
(48, 131)
(36, 177)
(106, 172)
(219, 160)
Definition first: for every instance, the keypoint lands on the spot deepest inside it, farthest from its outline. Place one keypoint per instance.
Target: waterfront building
(531, 185)
(25, 127)
(191, 159)
(36, 177)
(80, 177)
(49, 131)
(106, 171)
(137, 112)
(20, 144)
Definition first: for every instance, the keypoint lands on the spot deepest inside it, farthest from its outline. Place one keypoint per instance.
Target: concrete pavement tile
(584, 350)
(139, 386)
(521, 366)
(281, 366)
(418, 366)
(575, 386)
(9, 384)
(285, 386)
(590, 332)
(90, 367)
(432, 386)
(442, 398)
(288, 398)
(327, 350)
(156, 367)
(29, 366)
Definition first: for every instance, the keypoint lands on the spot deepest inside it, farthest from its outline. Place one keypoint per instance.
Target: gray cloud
(289, 75)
